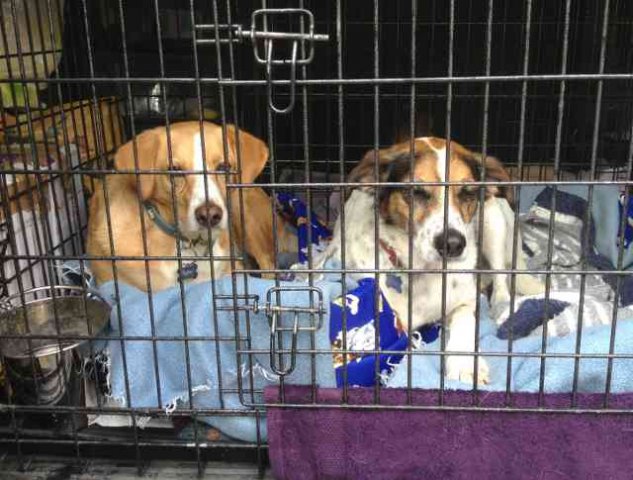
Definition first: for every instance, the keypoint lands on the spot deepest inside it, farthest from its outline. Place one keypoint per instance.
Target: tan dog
(200, 218)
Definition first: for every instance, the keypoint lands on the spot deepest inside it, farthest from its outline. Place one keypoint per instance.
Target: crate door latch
(259, 33)
(304, 319)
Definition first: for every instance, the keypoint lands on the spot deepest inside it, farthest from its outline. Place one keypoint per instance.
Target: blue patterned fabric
(628, 224)
(293, 210)
(359, 306)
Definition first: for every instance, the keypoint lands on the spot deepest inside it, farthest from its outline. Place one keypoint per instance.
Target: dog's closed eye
(178, 178)
(223, 167)
(421, 194)
(469, 192)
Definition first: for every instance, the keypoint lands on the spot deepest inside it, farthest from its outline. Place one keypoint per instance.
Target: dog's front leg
(494, 246)
(498, 247)
(462, 339)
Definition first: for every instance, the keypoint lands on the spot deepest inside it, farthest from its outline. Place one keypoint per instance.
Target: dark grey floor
(55, 468)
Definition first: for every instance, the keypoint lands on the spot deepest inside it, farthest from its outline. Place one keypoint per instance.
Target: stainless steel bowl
(56, 319)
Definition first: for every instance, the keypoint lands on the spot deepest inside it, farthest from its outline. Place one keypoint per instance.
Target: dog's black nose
(455, 243)
(209, 215)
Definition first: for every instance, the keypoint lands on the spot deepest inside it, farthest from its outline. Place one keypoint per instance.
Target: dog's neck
(394, 245)
(190, 246)
(167, 226)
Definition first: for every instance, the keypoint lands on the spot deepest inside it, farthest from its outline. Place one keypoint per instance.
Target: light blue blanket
(559, 372)
(210, 361)
(214, 361)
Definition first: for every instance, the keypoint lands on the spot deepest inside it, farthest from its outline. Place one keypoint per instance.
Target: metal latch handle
(237, 33)
(274, 312)
(314, 312)
(269, 77)
(274, 332)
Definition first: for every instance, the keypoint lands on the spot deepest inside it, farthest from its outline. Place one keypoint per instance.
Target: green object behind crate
(17, 95)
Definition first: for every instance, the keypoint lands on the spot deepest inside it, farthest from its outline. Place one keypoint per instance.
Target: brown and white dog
(200, 201)
(433, 241)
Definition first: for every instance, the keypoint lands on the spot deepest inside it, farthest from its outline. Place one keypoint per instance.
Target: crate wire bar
(543, 86)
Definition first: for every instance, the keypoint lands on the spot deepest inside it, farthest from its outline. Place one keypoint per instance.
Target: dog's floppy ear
(393, 166)
(147, 144)
(253, 153)
(365, 171)
(495, 171)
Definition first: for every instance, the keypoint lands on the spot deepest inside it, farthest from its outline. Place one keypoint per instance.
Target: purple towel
(357, 443)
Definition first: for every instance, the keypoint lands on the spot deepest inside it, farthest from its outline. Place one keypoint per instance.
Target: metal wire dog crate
(545, 86)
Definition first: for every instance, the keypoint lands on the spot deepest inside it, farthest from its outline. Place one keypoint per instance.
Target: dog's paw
(462, 368)
(499, 312)
(500, 296)
(529, 285)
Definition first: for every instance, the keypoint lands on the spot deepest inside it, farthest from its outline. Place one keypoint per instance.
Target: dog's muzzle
(209, 215)
(453, 246)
